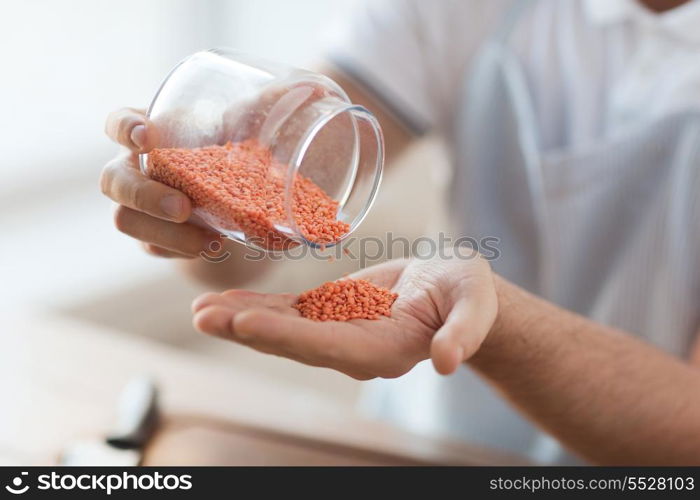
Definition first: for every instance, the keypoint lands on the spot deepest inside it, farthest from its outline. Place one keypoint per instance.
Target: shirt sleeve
(411, 54)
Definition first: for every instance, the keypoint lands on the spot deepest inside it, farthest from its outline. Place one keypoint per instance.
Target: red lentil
(344, 300)
(242, 185)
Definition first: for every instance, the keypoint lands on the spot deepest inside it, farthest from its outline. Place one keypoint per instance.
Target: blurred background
(66, 65)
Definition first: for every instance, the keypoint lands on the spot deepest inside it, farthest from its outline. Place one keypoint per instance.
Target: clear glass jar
(271, 156)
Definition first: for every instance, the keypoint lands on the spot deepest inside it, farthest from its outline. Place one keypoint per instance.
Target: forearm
(606, 395)
(397, 138)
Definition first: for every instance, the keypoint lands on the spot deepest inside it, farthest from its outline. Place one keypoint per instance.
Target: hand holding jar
(261, 153)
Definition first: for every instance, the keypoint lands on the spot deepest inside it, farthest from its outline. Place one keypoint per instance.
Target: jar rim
(299, 154)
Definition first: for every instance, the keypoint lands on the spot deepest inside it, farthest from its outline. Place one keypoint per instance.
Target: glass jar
(271, 156)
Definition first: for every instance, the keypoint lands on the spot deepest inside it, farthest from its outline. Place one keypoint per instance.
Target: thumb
(466, 327)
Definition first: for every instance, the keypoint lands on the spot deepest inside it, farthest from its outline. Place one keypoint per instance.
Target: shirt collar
(681, 22)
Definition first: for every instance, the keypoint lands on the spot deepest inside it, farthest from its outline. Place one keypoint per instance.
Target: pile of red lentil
(243, 187)
(345, 300)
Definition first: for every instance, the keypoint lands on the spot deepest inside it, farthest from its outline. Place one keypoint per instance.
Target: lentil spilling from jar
(242, 186)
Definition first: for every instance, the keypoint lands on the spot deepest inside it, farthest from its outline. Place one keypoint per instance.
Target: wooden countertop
(60, 380)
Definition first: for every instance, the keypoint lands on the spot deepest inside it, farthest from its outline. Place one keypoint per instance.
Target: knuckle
(121, 218)
(247, 337)
(153, 249)
(109, 123)
(139, 195)
(391, 374)
(115, 121)
(395, 371)
(123, 128)
(120, 123)
(107, 178)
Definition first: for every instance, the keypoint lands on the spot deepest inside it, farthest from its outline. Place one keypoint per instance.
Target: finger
(217, 320)
(245, 299)
(465, 328)
(239, 300)
(157, 251)
(327, 344)
(341, 346)
(214, 320)
(205, 300)
(186, 239)
(129, 127)
(129, 187)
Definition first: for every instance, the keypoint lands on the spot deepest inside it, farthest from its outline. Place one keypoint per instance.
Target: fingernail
(460, 354)
(173, 206)
(138, 136)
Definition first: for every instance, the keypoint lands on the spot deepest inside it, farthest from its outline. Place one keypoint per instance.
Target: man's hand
(148, 210)
(444, 311)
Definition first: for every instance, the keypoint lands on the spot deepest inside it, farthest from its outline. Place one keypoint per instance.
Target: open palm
(455, 298)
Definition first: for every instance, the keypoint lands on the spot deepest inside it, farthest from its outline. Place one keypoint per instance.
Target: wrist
(497, 336)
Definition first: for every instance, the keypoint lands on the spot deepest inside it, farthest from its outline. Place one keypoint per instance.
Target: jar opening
(343, 154)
